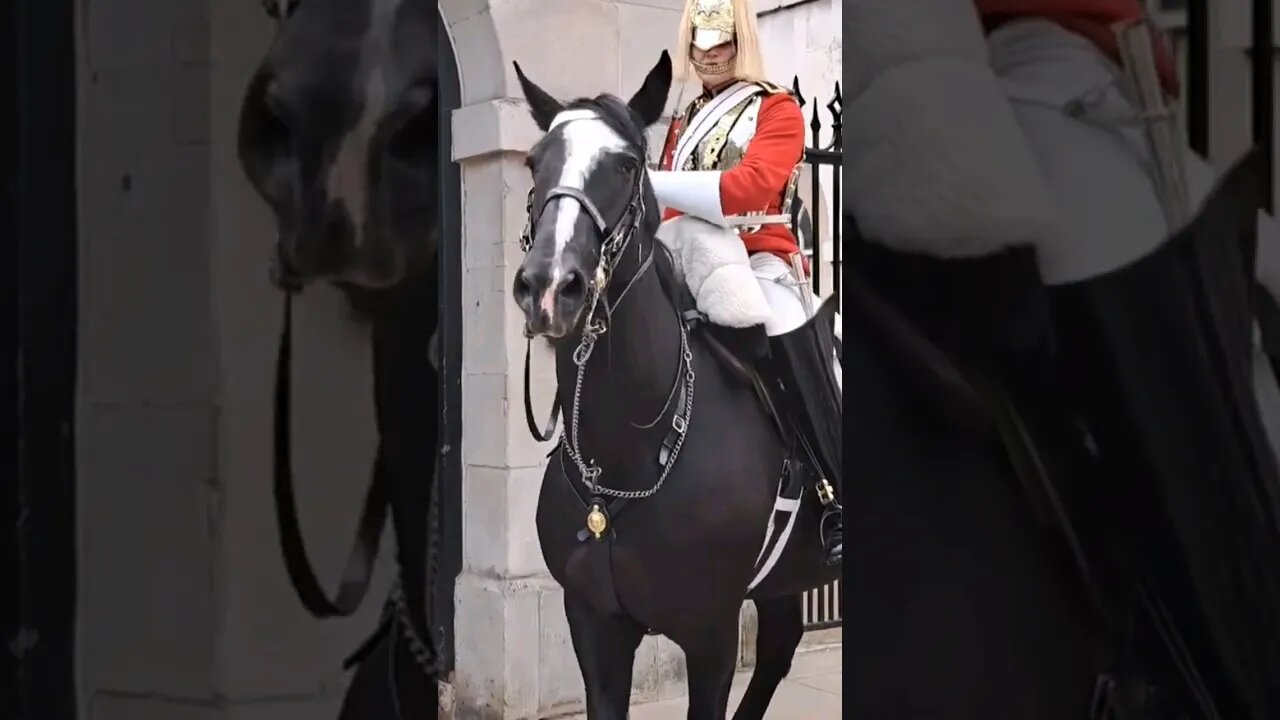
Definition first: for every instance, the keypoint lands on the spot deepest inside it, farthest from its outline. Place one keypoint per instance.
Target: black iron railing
(1262, 59)
(819, 228)
(822, 159)
(822, 607)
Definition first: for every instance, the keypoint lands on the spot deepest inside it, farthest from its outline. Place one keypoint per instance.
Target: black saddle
(740, 351)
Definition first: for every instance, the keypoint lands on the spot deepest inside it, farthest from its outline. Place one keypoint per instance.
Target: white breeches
(782, 292)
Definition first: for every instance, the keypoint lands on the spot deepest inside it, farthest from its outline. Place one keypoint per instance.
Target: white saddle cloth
(712, 262)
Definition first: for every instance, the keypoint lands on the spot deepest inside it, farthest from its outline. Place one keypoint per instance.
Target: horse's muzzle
(552, 294)
(332, 253)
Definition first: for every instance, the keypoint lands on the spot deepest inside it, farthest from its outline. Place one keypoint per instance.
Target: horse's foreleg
(606, 649)
(710, 660)
(781, 626)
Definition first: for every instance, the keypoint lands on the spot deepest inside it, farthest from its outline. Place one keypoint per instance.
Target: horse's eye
(627, 166)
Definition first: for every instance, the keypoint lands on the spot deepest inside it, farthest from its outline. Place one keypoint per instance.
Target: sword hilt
(802, 283)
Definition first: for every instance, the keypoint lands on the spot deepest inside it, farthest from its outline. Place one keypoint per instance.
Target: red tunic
(757, 182)
(1091, 19)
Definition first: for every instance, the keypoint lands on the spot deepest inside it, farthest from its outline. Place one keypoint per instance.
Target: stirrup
(826, 493)
(832, 537)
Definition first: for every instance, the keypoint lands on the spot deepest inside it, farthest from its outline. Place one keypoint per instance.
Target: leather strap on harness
(550, 428)
(358, 573)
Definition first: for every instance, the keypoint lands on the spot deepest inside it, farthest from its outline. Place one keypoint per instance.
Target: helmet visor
(705, 39)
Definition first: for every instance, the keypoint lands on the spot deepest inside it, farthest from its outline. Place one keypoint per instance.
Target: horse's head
(590, 195)
(338, 134)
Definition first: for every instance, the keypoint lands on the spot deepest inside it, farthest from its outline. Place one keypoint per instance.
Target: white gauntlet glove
(694, 192)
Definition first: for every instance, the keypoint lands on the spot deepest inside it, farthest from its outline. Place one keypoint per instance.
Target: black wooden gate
(448, 521)
(38, 361)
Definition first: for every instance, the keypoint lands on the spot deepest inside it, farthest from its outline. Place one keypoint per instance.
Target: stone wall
(185, 611)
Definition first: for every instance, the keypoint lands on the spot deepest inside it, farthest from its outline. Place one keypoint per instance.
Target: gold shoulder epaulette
(771, 88)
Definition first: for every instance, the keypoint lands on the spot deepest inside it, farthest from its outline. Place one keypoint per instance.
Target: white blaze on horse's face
(587, 140)
(348, 178)
(338, 134)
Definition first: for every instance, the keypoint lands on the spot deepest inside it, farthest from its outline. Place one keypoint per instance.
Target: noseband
(614, 242)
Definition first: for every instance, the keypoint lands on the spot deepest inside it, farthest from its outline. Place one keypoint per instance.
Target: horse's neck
(630, 373)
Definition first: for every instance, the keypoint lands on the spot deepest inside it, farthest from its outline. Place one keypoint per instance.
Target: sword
(802, 283)
(669, 142)
(1163, 136)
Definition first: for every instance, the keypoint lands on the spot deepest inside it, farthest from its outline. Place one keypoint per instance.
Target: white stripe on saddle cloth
(788, 508)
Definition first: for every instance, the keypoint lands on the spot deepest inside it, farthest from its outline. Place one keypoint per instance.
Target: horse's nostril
(574, 287)
(522, 288)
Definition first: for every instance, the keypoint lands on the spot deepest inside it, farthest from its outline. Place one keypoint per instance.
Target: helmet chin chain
(713, 70)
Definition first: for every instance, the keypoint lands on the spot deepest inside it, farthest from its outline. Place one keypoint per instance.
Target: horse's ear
(542, 106)
(650, 100)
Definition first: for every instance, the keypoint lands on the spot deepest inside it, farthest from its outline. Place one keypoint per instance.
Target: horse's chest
(687, 535)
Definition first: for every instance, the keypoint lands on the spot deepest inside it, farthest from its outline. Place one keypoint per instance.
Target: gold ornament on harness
(597, 521)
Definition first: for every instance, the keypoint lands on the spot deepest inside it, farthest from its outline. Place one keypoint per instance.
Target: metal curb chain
(417, 646)
(589, 471)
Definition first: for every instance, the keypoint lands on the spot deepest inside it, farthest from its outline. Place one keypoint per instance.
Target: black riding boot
(801, 361)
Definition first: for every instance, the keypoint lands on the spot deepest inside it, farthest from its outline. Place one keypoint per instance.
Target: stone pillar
(514, 657)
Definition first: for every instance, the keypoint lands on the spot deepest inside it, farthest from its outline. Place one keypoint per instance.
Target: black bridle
(614, 241)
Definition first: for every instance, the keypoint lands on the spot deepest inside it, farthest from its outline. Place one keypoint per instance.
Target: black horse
(339, 135)
(654, 505)
(1081, 522)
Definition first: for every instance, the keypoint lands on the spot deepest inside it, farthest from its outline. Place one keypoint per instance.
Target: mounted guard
(727, 179)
